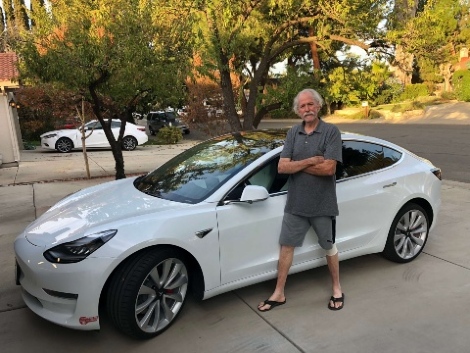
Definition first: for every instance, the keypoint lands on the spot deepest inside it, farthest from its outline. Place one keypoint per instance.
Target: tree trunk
(115, 145)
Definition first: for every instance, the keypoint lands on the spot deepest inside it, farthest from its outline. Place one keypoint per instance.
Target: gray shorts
(294, 228)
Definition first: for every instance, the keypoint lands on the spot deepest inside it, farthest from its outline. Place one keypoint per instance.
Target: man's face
(308, 107)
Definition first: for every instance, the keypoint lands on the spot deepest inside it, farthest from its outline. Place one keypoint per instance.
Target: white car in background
(207, 222)
(68, 139)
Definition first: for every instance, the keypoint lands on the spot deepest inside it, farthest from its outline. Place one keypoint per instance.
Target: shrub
(374, 114)
(414, 91)
(401, 108)
(448, 95)
(461, 82)
(170, 134)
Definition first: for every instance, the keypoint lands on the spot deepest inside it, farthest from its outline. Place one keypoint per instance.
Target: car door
(249, 233)
(97, 137)
(367, 193)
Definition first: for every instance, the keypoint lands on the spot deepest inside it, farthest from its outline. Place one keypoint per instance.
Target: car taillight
(437, 172)
(141, 129)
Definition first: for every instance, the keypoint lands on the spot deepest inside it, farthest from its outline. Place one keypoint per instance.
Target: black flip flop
(336, 300)
(272, 304)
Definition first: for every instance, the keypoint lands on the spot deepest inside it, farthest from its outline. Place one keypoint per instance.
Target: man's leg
(333, 267)
(286, 255)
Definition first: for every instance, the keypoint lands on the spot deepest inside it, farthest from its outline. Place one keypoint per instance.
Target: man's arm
(326, 168)
(288, 166)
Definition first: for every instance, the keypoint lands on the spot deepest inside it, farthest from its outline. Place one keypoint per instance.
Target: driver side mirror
(252, 193)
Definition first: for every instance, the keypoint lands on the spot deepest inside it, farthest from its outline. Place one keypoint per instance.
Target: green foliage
(433, 35)
(461, 82)
(122, 47)
(295, 80)
(414, 91)
(170, 134)
(389, 93)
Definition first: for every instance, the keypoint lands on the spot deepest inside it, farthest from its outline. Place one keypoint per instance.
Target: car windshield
(196, 173)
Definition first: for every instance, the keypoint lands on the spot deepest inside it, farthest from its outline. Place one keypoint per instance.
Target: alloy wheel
(161, 295)
(410, 234)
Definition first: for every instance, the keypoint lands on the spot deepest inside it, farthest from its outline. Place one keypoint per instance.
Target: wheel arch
(196, 287)
(425, 205)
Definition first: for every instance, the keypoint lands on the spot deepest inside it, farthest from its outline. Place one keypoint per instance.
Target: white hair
(314, 94)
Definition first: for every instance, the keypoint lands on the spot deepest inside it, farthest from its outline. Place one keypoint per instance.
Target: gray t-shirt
(311, 195)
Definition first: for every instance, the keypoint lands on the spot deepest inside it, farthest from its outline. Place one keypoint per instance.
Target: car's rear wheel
(408, 234)
(64, 145)
(129, 143)
(152, 131)
(147, 293)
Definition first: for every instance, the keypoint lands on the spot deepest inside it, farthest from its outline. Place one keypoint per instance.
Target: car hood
(94, 209)
(63, 132)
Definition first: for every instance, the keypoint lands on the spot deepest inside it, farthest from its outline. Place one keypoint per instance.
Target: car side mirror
(252, 193)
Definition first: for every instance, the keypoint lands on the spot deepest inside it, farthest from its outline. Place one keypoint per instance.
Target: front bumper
(65, 294)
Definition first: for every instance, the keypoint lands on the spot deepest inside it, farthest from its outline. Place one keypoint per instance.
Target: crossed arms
(314, 165)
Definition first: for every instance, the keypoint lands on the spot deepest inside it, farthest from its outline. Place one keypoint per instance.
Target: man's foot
(269, 304)
(336, 303)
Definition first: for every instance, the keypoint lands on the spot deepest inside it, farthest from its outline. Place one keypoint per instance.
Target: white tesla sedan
(68, 139)
(206, 222)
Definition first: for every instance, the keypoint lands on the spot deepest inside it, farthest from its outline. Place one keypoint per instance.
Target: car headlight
(80, 249)
(49, 136)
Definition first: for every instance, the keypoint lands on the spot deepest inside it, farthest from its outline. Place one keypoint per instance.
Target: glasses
(310, 105)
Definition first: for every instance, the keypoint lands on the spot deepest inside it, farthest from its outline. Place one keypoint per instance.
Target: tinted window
(364, 157)
(96, 125)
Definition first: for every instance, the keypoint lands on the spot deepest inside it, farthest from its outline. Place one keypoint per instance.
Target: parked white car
(207, 221)
(68, 139)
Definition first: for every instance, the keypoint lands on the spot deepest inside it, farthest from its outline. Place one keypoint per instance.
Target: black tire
(408, 234)
(64, 145)
(152, 131)
(154, 283)
(129, 143)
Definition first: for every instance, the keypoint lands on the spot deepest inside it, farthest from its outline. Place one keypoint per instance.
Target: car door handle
(392, 184)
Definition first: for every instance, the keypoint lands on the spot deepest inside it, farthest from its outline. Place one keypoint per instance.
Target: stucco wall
(9, 137)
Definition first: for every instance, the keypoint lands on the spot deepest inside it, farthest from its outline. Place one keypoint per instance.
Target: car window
(96, 125)
(266, 176)
(115, 124)
(364, 157)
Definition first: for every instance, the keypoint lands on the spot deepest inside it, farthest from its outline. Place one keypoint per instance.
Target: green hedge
(414, 91)
(461, 82)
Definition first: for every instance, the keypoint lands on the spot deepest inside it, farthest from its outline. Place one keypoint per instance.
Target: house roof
(8, 69)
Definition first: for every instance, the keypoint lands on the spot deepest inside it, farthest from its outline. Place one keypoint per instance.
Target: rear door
(367, 193)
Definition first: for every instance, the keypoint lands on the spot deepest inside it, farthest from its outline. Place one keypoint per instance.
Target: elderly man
(310, 154)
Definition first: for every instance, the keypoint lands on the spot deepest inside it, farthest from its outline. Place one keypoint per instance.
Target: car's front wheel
(408, 234)
(147, 293)
(152, 131)
(64, 145)
(129, 143)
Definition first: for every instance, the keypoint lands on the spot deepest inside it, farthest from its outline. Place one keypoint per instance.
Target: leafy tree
(434, 36)
(113, 52)
(245, 38)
